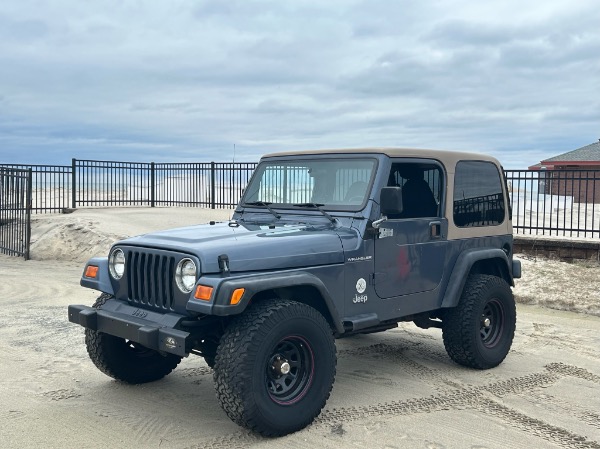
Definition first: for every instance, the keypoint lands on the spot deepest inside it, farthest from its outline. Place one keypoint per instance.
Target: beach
(396, 389)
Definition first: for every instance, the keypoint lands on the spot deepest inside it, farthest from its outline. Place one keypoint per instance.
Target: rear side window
(478, 197)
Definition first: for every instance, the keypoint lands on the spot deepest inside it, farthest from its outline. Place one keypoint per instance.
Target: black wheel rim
(290, 370)
(492, 323)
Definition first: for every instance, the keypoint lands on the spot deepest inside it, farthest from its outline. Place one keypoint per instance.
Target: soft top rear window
(478, 196)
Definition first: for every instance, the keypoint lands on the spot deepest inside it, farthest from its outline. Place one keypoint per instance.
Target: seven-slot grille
(150, 279)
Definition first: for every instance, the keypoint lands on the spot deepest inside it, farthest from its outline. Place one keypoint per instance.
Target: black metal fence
(15, 211)
(87, 183)
(111, 183)
(547, 202)
(51, 186)
(555, 202)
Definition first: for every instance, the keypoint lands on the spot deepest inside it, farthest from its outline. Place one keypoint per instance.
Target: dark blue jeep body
(322, 244)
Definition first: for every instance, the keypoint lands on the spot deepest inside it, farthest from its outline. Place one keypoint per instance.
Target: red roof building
(575, 173)
(584, 158)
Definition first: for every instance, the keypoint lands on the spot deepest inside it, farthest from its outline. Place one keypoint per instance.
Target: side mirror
(391, 201)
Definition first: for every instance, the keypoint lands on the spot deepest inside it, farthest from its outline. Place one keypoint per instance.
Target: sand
(396, 389)
(87, 233)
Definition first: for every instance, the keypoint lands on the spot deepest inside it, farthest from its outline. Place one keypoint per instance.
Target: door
(410, 251)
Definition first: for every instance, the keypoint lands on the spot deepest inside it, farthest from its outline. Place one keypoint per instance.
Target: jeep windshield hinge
(377, 223)
(224, 263)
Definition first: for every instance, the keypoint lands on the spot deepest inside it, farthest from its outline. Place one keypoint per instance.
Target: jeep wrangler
(322, 244)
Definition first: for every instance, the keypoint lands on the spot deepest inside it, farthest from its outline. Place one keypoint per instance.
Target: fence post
(212, 185)
(73, 183)
(29, 206)
(152, 185)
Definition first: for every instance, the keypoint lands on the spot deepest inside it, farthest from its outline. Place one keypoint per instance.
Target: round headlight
(116, 263)
(186, 275)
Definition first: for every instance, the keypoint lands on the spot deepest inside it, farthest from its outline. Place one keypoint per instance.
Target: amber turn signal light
(236, 296)
(91, 271)
(203, 292)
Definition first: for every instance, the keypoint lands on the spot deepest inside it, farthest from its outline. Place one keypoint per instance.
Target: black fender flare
(253, 284)
(102, 281)
(463, 266)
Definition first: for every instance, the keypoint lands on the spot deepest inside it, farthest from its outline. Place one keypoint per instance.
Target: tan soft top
(448, 158)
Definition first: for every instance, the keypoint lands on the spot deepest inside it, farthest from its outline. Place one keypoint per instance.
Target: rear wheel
(479, 331)
(275, 367)
(126, 360)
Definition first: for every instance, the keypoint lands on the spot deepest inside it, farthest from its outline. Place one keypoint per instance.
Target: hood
(252, 247)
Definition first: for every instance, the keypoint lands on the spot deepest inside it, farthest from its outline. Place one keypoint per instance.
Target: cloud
(185, 80)
(22, 30)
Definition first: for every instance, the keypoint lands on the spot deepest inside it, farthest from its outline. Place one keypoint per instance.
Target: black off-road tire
(124, 360)
(479, 331)
(210, 361)
(250, 375)
(209, 351)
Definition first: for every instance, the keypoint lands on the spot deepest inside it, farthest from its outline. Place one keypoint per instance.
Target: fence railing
(112, 183)
(555, 202)
(15, 211)
(88, 183)
(547, 202)
(51, 186)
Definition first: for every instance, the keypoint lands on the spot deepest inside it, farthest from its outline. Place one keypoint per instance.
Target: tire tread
(115, 365)
(458, 322)
(231, 374)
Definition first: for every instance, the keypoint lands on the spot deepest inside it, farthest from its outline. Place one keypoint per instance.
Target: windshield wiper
(263, 204)
(318, 207)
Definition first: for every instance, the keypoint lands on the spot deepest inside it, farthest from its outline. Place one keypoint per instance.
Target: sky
(184, 81)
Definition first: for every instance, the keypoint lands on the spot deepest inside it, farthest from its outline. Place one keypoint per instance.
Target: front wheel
(479, 331)
(126, 360)
(275, 367)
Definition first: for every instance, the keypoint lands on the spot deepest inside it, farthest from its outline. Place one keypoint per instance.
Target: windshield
(336, 184)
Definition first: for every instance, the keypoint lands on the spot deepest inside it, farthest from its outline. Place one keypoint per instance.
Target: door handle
(435, 229)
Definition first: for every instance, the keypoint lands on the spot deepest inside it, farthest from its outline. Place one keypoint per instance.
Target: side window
(478, 198)
(421, 188)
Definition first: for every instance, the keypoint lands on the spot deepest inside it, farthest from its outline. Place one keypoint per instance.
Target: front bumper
(151, 329)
